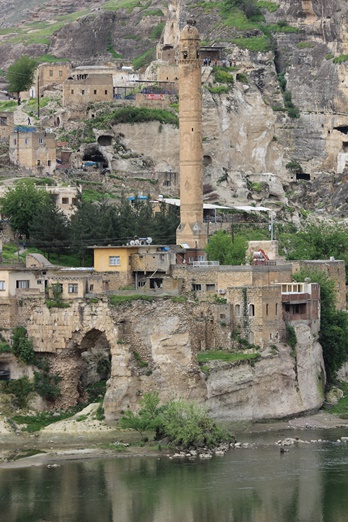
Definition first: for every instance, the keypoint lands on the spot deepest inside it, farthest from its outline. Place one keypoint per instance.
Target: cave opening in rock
(105, 140)
(94, 154)
(95, 364)
(342, 128)
(303, 175)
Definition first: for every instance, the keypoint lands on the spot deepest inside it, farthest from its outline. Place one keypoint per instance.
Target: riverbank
(82, 437)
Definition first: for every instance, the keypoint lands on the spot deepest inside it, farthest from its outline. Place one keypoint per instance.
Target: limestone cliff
(153, 346)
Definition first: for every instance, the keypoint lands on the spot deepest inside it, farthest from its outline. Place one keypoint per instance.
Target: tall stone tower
(191, 229)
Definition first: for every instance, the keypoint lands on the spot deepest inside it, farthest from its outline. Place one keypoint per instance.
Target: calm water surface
(308, 484)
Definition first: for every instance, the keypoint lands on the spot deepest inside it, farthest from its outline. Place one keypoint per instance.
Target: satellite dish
(132, 242)
(149, 240)
(136, 242)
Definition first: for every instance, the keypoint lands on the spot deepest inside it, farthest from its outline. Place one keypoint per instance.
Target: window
(72, 91)
(95, 92)
(210, 287)
(60, 73)
(91, 288)
(237, 310)
(3, 121)
(114, 261)
(251, 310)
(72, 288)
(276, 309)
(40, 141)
(39, 282)
(191, 260)
(65, 201)
(266, 309)
(49, 163)
(22, 283)
(26, 141)
(106, 92)
(196, 287)
(201, 258)
(83, 91)
(14, 142)
(51, 72)
(2, 285)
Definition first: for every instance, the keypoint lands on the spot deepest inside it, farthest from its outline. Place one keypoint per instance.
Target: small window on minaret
(184, 54)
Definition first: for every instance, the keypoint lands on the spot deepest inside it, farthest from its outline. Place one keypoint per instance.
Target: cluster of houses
(258, 299)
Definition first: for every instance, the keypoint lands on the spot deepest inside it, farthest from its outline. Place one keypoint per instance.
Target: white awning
(209, 206)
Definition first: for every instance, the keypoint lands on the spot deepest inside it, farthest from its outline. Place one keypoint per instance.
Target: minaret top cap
(190, 32)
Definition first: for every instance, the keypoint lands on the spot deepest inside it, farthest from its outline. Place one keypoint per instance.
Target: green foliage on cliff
(144, 59)
(22, 346)
(271, 7)
(341, 59)
(224, 355)
(20, 75)
(333, 335)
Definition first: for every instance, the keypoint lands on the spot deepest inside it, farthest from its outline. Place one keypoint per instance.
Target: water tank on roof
(127, 68)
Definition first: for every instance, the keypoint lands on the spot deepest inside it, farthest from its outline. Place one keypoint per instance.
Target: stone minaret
(191, 229)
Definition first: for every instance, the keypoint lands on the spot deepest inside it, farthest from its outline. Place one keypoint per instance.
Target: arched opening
(95, 362)
(93, 154)
(251, 310)
(105, 141)
(237, 310)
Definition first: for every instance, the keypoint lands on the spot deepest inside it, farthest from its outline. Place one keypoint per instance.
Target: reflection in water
(308, 484)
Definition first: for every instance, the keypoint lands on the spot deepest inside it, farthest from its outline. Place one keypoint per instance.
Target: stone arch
(94, 359)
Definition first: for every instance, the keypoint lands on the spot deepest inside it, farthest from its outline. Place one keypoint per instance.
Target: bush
(20, 389)
(47, 385)
(22, 346)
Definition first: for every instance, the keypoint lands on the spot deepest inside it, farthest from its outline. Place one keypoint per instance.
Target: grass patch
(116, 300)
(49, 58)
(45, 418)
(305, 45)
(254, 43)
(271, 7)
(153, 12)
(341, 59)
(144, 59)
(56, 303)
(157, 31)
(25, 454)
(140, 362)
(5, 348)
(226, 356)
(220, 89)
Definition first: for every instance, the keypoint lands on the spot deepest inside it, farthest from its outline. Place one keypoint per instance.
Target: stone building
(33, 150)
(146, 267)
(82, 89)
(65, 198)
(6, 124)
(52, 73)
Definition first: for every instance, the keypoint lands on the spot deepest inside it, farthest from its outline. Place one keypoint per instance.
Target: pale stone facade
(65, 198)
(52, 74)
(35, 151)
(82, 89)
(6, 124)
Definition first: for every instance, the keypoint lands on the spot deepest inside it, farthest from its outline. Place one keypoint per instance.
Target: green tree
(49, 230)
(22, 203)
(317, 241)
(146, 419)
(220, 248)
(20, 75)
(333, 335)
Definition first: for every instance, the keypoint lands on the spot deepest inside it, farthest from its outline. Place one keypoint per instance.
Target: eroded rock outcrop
(153, 346)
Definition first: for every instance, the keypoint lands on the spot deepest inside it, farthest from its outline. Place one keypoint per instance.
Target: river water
(307, 484)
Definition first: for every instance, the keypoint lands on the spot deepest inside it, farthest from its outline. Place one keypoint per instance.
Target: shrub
(292, 340)
(22, 346)
(47, 385)
(20, 389)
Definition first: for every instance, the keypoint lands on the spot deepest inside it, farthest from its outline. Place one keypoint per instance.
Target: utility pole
(38, 94)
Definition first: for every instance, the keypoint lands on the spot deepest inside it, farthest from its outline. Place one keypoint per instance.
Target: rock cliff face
(246, 141)
(154, 346)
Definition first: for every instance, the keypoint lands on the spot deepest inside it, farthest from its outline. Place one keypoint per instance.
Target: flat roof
(209, 206)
